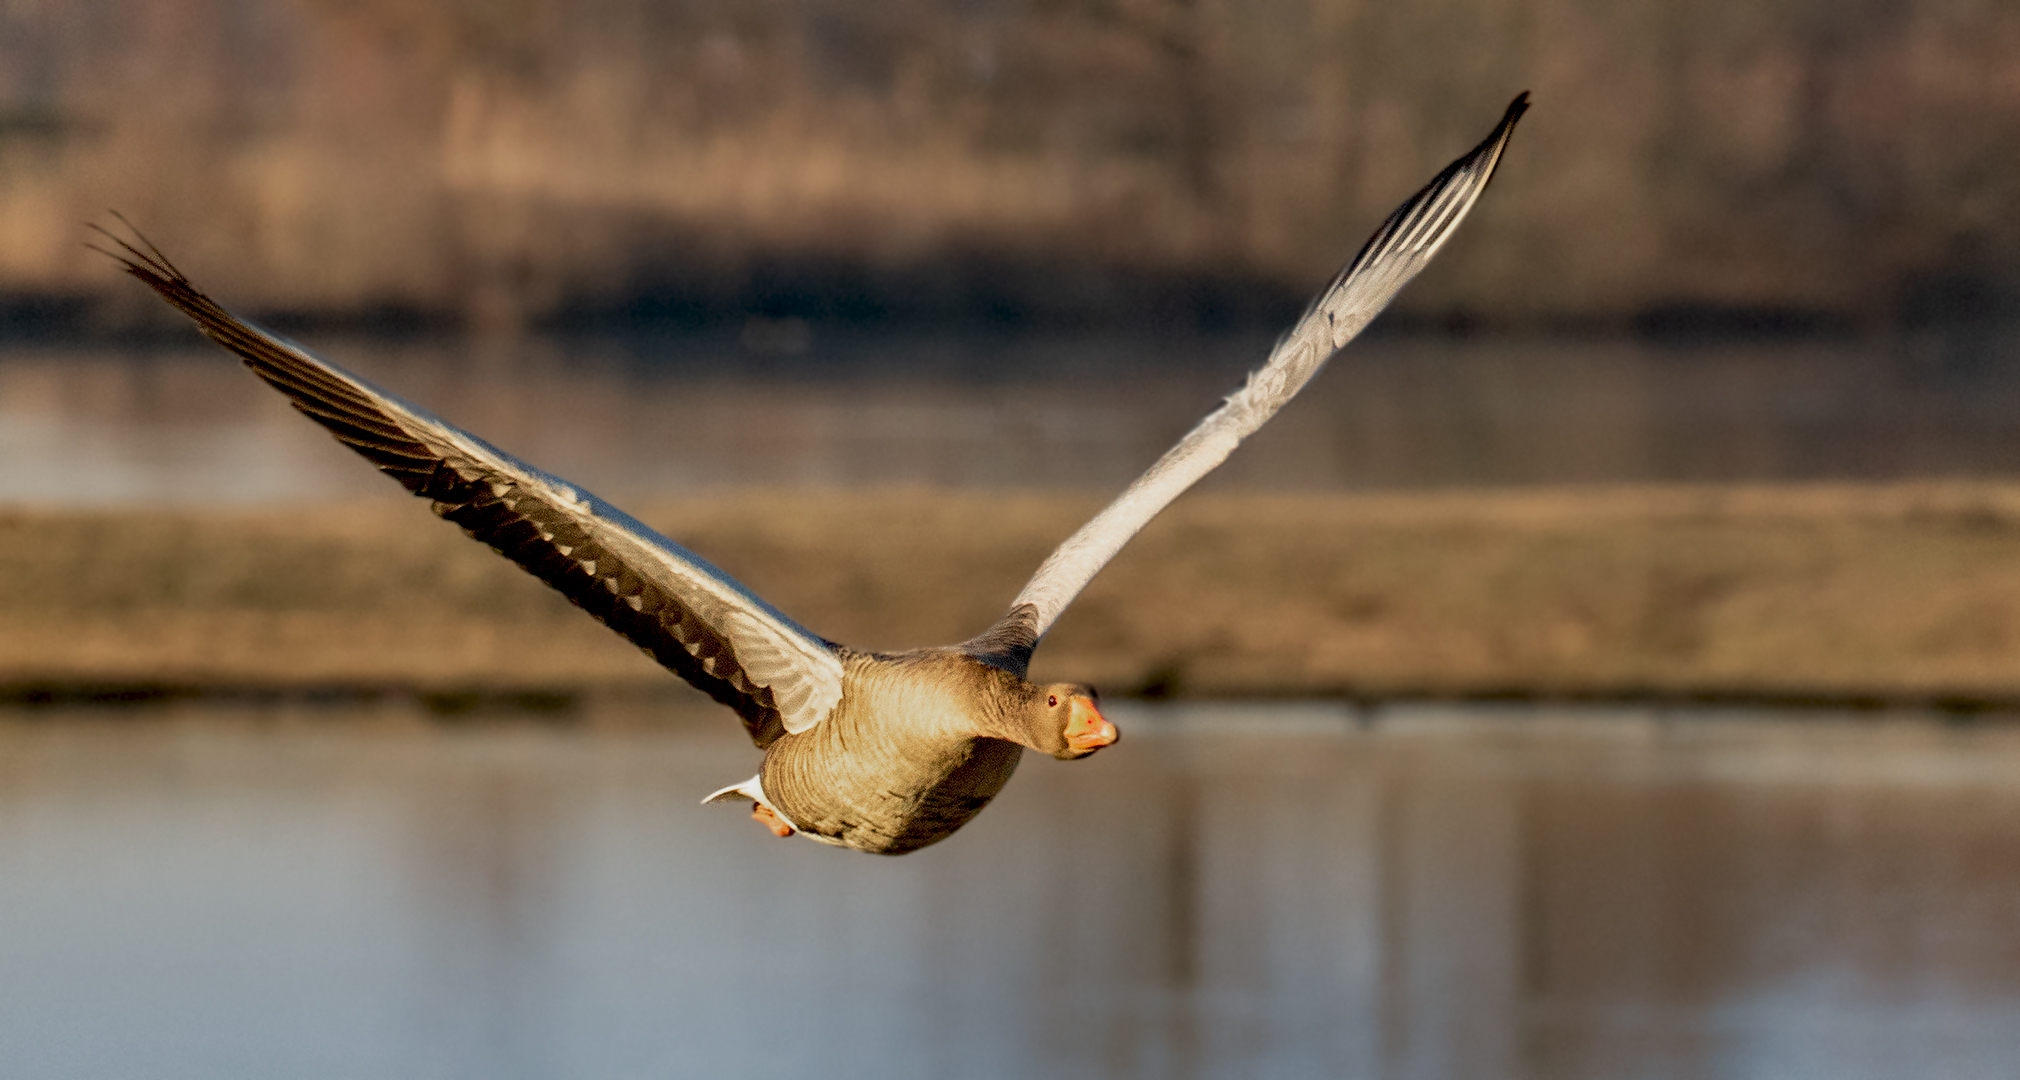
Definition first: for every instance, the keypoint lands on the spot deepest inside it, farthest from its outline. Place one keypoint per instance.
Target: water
(675, 415)
(346, 890)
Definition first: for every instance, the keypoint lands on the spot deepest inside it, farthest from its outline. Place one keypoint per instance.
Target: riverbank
(1898, 593)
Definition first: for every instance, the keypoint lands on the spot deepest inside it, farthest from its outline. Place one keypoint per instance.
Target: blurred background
(1606, 668)
(1779, 166)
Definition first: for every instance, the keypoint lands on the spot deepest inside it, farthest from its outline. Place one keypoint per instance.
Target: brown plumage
(877, 752)
(920, 742)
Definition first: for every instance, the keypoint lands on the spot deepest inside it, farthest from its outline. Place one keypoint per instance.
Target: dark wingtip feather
(149, 266)
(1488, 152)
(157, 273)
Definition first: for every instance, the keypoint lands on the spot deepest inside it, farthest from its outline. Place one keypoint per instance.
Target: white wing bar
(1394, 255)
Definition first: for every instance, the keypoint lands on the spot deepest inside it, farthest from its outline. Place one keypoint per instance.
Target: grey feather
(1390, 258)
(690, 616)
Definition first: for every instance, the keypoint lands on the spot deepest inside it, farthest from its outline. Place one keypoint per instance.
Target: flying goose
(880, 752)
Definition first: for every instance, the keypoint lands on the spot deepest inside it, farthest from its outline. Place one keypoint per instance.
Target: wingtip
(149, 265)
(1489, 150)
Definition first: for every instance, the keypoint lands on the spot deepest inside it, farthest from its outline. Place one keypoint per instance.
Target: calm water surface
(674, 415)
(338, 891)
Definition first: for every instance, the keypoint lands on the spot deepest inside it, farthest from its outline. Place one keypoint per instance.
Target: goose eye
(1052, 701)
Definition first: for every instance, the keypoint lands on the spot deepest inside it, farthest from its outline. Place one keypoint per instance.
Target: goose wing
(1394, 255)
(690, 616)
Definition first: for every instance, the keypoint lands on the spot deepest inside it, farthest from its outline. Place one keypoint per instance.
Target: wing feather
(1390, 258)
(690, 616)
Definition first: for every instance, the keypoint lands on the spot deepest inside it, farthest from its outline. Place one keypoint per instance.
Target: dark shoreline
(997, 297)
(568, 706)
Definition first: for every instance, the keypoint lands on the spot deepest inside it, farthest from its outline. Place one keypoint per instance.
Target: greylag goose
(880, 752)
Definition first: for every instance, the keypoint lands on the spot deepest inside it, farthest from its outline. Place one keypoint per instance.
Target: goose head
(1064, 720)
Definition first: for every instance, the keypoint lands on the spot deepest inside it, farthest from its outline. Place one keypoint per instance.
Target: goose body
(919, 744)
(879, 752)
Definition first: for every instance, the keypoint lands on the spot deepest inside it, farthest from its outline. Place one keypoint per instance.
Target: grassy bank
(1884, 593)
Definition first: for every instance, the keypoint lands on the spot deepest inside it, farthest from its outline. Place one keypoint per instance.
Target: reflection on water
(671, 415)
(1292, 891)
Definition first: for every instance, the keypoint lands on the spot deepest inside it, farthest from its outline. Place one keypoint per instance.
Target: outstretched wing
(1400, 248)
(693, 618)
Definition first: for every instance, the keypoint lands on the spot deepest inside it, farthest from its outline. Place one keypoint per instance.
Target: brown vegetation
(1890, 593)
(504, 162)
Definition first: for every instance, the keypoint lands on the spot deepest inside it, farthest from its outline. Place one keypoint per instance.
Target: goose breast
(904, 760)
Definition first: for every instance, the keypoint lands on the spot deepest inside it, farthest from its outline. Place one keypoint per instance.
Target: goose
(878, 752)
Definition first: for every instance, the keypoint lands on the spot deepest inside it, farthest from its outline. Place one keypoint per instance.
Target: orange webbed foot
(769, 818)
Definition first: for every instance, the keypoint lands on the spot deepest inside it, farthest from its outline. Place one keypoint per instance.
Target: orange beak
(1086, 728)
